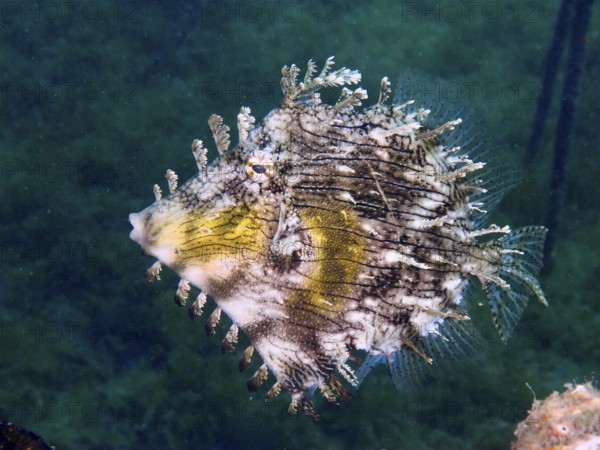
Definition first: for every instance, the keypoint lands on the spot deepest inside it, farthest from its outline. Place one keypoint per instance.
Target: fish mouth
(152, 243)
(137, 233)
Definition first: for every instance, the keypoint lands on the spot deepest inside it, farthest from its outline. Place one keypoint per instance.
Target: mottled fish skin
(334, 228)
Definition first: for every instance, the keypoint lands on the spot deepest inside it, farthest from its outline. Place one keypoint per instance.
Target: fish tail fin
(516, 278)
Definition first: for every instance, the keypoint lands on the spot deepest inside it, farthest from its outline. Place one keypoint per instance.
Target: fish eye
(260, 167)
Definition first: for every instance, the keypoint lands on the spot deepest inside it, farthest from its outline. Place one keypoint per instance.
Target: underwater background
(98, 99)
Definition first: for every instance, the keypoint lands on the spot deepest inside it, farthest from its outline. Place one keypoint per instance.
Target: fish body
(332, 229)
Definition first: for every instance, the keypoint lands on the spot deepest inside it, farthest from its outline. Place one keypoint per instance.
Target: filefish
(335, 231)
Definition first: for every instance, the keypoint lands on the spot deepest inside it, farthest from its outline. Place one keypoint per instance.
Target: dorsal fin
(488, 184)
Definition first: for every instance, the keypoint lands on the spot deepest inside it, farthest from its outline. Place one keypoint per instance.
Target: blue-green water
(98, 99)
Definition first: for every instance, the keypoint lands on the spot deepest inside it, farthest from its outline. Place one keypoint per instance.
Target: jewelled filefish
(334, 229)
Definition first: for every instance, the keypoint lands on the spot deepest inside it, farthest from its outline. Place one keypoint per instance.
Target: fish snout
(155, 234)
(138, 223)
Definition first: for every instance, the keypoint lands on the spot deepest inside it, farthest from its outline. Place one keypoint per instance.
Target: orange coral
(567, 421)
